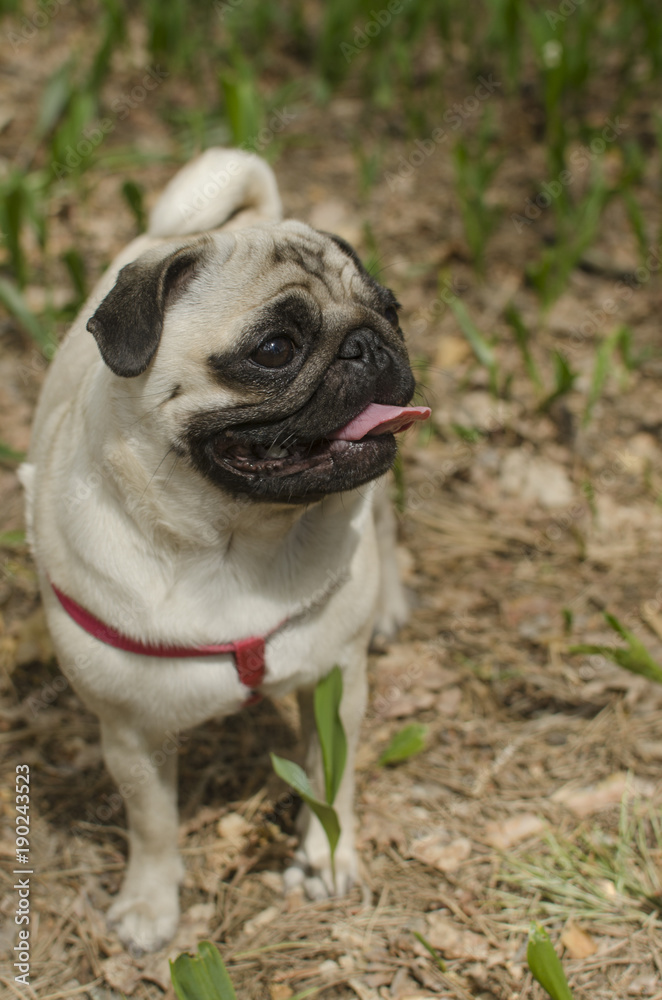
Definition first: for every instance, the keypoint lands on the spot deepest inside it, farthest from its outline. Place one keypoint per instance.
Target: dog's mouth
(247, 463)
(345, 443)
(276, 461)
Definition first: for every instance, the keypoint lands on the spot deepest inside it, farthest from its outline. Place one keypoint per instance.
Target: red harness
(248, 653)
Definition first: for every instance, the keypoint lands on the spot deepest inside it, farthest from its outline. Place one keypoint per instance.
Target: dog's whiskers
(172, 469)
(170, 449)
(285, 442)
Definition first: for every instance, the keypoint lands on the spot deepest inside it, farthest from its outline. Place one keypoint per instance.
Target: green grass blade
(133, 195)
(14, 203)
(55, 98)
(635, 658)
(8, 454)
(400, 499)
(202, 976)
(75, 265)
(12, 539)
(545, 964)
(601, 370)
(438, 960)
(624, 343)
(477, 342)
(297, 779)
(13, 301)
(522, 338)
(564, 379)
(405, 743)
(242, 104)
(328, 695)
(636, 220)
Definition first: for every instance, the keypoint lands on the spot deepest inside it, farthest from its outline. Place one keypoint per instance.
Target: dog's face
(259, 344)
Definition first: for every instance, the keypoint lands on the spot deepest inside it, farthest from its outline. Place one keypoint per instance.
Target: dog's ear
(127, 325)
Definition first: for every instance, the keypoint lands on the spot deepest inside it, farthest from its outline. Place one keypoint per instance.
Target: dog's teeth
(276, 451)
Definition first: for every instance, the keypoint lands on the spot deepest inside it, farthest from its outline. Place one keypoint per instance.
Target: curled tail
(212, 189)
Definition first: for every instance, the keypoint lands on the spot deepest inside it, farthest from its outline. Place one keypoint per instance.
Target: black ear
(127, 325)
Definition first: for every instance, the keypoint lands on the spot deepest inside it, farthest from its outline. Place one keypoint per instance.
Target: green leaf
(406, 743)
(625, 349)
(8, 454)
(400, 499)
(297, 779)
(564, 379)
(635, 658)
(469, 434)
(545, 964)
(133, 195)
(55, 98)
(479, 345)
(243, 106)
(75, 264)
(523, 337)
(601, 370)
(12, 539)
(202, 976)
(328, 695)
(13, 301)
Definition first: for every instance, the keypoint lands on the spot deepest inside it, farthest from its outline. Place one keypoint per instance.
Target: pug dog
(205, 499)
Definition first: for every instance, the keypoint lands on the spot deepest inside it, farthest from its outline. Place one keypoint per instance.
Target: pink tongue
(378, 419)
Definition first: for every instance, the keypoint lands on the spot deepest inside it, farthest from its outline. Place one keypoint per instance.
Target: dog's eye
(275, 353)
(391, 315)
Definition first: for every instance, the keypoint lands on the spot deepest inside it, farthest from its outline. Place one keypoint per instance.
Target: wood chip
(121, 973)
(502, 834)
(453, 941)
(593, 798)
(434, 850)
(577, 942)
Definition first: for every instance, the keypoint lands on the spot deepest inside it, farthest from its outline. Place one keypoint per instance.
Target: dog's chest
(312, 617)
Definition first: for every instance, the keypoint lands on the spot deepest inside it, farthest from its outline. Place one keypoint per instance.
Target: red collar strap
(248, 653)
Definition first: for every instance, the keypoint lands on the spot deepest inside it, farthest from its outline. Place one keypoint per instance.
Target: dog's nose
(364, 346)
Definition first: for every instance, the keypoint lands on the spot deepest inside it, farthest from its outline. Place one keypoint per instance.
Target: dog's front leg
(144, 765)
(313, 860)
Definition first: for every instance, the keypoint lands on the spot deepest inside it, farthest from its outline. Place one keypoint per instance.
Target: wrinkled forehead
(251, 276)
(266, 260)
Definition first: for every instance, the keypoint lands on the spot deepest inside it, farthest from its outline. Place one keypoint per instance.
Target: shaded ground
(538, 794)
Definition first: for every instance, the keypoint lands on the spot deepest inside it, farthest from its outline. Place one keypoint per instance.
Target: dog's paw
(145, 922)
(316, 876)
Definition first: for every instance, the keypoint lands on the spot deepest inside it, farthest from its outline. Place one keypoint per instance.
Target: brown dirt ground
(538, 791)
